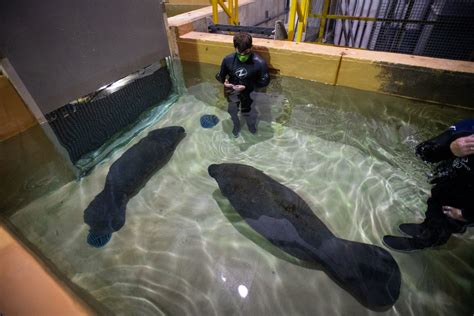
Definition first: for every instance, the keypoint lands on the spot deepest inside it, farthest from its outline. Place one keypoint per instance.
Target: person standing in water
(241, 72)
(450, 207)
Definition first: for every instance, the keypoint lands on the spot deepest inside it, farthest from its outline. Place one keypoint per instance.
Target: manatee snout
(180, 130)
(213, 170)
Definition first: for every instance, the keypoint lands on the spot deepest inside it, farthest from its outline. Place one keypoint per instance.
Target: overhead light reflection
(119, 84)
(243, 291)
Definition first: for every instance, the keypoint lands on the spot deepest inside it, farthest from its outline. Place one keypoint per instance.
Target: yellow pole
(236, 12)
(291, 22)
(215, 16)
(298, 10)
(231, 10)
(302, 19)
(299, 31)
(226, 10)
(322, 25)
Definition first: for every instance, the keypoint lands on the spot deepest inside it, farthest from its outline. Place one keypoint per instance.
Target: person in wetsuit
(241, 73)
(450, 207)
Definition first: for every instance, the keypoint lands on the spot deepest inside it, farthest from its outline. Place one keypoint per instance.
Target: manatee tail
(106, 213)
(368, 272)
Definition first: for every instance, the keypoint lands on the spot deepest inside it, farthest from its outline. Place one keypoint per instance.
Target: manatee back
(254, 194)
(131, 171)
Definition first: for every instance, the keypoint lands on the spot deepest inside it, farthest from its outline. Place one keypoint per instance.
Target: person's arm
(439, 148)
(221, 76)
(263, 78)
(463, 146)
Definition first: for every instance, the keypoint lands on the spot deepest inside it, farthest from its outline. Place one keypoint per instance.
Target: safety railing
(299, 11)
(231, 9)
(435, 28)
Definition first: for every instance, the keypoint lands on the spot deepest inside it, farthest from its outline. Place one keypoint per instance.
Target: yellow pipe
(231, 10)
(291, 22)
(299, 31)
(302, 19)
(298, 10)
(236, 11)
(226, 10)
(215, 16)
(322, 25)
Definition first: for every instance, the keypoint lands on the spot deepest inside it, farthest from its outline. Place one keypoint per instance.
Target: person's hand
(463, 146)
(454, 213)
(228, 85)
(239, 87)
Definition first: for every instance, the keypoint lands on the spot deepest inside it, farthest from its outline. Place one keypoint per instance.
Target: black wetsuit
(252, 74)
(453, 185)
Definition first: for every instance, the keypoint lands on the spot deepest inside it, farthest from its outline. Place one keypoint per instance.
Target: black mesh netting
(84, 127)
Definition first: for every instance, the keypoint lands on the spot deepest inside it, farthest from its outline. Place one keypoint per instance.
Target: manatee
(106, 213)
(369, 273)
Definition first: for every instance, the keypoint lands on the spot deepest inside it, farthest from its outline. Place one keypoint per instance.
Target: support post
(291, 22)
(322, 24)
(302, 19)
(215, 16)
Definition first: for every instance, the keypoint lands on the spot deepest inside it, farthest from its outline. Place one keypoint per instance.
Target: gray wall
(64, 49)
(260, 11)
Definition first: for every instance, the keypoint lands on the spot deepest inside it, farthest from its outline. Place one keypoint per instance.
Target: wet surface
(184, 250)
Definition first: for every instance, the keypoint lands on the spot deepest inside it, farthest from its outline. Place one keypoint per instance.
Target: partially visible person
(451, 205)
(241, 73)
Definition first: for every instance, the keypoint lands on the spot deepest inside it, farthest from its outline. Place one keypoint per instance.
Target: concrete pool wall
(429, 79)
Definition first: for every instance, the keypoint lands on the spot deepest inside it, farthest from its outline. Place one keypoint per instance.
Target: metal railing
(436, 28)
(231, 9)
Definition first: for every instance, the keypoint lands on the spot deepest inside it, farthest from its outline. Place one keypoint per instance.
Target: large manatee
(106, 213)
(367, 272)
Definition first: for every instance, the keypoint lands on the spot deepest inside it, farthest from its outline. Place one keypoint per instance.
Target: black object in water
(367, 272)
(106, 213)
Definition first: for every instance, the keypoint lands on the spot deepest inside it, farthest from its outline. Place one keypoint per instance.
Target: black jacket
(252, 74)
(453, 176)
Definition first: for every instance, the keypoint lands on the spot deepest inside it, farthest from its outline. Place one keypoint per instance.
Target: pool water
(184, 251)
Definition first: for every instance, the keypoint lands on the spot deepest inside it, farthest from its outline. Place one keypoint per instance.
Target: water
(183, 250)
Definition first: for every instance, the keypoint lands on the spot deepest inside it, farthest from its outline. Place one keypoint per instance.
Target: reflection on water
(348, 154)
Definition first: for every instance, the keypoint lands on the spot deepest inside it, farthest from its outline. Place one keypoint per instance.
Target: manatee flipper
(98, 241)
(367, 272)
(106, 212)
